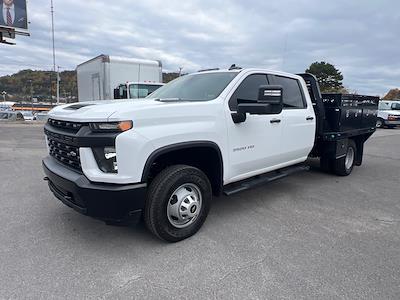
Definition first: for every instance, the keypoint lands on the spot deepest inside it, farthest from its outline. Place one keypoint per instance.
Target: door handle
(310, 118)
(275, 121)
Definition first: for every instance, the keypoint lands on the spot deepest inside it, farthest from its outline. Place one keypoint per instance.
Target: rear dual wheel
(344, 166)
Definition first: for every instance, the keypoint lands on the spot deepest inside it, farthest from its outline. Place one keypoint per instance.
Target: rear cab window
(293, 96)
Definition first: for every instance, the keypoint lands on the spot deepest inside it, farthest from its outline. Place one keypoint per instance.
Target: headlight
(111, 126)
(106, 158)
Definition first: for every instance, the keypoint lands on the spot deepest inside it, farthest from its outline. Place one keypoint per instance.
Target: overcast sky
(361, 38)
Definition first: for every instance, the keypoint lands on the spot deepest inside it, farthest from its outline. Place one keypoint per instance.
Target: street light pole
(52, 34)
(30, 81)
(54, 52)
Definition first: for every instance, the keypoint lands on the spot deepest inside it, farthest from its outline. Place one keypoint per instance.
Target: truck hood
(145, 112)
(95, 111)
(393, 112)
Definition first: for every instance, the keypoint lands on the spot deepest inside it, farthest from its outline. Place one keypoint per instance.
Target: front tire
(178, 203)
(344, 166)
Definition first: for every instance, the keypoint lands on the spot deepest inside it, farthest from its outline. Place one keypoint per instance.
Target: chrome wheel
(349, 158)
(184, 206)
(379, 123)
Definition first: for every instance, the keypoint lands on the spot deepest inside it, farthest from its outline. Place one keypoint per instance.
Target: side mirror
(116, 93)
(270, 101)
(272, 94)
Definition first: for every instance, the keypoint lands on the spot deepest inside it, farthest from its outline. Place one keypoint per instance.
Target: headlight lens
(111, 126)
(106, 159)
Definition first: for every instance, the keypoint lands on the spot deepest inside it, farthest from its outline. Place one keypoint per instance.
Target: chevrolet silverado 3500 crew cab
(208, 133)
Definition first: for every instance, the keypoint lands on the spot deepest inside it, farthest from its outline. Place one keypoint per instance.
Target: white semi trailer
(98, 77)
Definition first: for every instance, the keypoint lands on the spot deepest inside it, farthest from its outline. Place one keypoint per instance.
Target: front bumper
(392, 123)
(108, 202)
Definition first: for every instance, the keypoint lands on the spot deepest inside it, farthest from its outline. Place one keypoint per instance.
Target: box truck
(98, 77)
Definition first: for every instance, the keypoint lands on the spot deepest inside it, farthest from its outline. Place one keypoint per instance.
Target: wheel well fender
(205, 155)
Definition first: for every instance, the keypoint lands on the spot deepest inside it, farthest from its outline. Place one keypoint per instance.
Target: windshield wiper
(168, 99)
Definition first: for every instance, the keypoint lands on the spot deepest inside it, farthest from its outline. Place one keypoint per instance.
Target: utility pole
(30, 81)
(52, 34)
(54, 53)
(58, 85)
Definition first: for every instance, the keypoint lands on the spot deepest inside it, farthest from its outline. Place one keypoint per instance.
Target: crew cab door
(255, 144)
(298, 120)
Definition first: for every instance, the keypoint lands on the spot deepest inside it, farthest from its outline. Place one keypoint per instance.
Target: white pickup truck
(208, 133)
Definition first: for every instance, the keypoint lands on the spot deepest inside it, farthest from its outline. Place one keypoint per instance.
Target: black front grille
(66, 125)
(64, 153)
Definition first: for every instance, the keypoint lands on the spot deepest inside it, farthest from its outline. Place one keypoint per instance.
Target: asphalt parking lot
(311, 235)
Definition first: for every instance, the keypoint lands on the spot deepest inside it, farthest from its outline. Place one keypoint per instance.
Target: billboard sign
(13, 14)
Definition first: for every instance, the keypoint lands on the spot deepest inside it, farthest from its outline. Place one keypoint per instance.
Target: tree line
(42, 85)
(25, 84)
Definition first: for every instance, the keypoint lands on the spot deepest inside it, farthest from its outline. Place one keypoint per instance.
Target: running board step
(262, 179)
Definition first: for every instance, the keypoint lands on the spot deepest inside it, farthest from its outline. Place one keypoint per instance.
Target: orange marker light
(125, 125)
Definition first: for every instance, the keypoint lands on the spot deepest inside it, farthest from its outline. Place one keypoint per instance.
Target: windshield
(198, 87)
(141, 90)
(396, 106)
(384, 106)
(389, 106)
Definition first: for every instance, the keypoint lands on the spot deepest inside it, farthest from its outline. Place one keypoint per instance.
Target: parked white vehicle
(28, 115)
(11, 116)
(42, 116)
(136, 90)
(203, 134)
(98, 77)
(388, 114)
(5, 106)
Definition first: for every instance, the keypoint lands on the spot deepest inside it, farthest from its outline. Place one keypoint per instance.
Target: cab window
(292, 93)
(248, 89)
